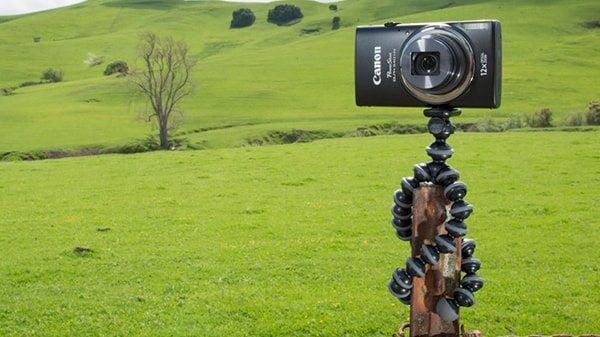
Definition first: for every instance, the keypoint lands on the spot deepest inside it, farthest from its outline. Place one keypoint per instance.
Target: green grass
(271, 76)
(291, 240)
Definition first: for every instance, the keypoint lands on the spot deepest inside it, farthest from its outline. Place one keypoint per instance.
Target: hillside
(272, 77)
(291, 240)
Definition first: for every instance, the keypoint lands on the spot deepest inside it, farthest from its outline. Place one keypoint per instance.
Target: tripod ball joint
(440, 128)
(401, 224)
(421, 172)
(472, 283)
(468, 247)
(470, 265)
(409, 185)
(445, 244)
(402, 200)
(397, 290)
(404, 235)
(447, 176)
(455, 191)
(461, 209)
(447, 308)
(415, 267)
(430, 254)
(456, 228)
(439, 150)
(463, 297)
(435, 167)
(402, 278)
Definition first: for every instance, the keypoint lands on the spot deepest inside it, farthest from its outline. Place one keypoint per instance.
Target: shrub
(283, 14)
(333, 7)
(7, 91)
(242, 17)
(487, 124)
(93, 60)
(540, 119)
(28, 84)
(574, 119)
(52, 75)
(335, 23)
(118, 66)
(591, 24)
(306, 31)
(592, 114)
(514, 122)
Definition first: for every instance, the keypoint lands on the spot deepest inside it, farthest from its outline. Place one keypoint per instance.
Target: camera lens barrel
(437, 64)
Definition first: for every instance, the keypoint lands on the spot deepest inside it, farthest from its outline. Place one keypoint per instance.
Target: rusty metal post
(429, 216)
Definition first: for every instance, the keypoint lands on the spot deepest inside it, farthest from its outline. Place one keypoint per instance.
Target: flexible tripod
(437, 172)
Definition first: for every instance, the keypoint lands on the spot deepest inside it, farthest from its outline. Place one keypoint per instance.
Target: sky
(12, 7)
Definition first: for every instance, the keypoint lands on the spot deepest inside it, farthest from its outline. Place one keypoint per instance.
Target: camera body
(455, 64)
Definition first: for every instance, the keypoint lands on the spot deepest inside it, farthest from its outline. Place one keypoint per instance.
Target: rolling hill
(266, 77)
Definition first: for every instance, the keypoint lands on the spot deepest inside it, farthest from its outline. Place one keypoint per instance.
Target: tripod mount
(448, 240)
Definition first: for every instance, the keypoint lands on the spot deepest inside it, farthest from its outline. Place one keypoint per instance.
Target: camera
(455, 64)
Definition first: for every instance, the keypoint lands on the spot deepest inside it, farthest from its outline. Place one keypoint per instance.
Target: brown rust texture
(429, 215)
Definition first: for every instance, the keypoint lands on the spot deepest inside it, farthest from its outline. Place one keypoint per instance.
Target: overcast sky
(12, 7)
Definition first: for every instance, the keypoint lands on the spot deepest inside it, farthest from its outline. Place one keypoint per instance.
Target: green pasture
(291, 240)
(275, 78)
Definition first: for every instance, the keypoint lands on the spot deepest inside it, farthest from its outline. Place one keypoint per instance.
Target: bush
(29, 84)
(118, 66)
(52, 75)
(243, 17)
(335, 23)
(592, 114)
(487, 124)
(93, 60)
(283, 14)
(514, 122)
(540, 119)
(7, 91)
(307, 31)
(574, 119)
(333, 7)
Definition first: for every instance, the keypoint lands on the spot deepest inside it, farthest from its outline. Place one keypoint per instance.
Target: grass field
(273, 77)
(286, 240)
(291, 240)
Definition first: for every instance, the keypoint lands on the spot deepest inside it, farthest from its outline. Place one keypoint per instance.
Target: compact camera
(455, 64)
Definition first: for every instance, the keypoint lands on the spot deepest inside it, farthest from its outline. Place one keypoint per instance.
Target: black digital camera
(456, 64)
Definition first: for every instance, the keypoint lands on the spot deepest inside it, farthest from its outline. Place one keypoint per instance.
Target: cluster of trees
(280, 15)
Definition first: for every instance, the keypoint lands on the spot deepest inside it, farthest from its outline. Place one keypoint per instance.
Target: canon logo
(377, 65)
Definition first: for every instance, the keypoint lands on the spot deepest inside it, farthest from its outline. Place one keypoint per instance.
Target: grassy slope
(290, 240)
(266, 74)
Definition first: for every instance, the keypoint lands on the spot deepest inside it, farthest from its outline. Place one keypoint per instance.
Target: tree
(335, 23)
(164, 79)
(242, 17)
(118, 66)
(52, 75)
(282, 14)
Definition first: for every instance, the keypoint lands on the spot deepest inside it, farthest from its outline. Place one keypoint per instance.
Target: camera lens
(426, 64)
(437, 64)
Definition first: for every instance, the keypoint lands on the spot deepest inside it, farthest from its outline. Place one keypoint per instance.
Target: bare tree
(164, 79)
